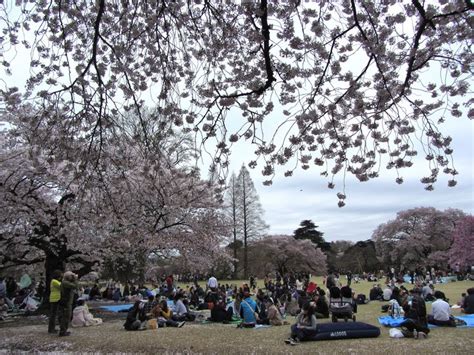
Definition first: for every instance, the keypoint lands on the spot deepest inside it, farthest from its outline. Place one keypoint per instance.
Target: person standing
(68, 286)
(54, 297)
(212, 283)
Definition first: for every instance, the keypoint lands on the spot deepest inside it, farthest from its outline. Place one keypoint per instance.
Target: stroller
(341, 304)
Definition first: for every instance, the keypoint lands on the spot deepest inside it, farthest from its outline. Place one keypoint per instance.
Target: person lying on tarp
(305, 327)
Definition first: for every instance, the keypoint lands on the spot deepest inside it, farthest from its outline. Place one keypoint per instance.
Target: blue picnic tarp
(444, 279)
(469, 319)
(117, 307)
(388, 321)
(126, 307)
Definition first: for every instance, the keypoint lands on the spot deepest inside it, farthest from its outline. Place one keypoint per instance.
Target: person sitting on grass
(248, 310)
(273, 313)
(181, 311)
(321, 307)
(220, 313)
(415, 324)
(261, 306)
(136, 317)
(292, 307)
(468, 302)
(376, 293)
(150, 305)
(82, 317)
(164, 315)
(305, 326)
(94, 292)
(441, 312)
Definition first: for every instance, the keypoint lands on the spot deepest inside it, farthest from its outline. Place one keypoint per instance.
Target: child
(81, 317)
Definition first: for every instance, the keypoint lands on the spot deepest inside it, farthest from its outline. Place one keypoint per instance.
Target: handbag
(152, 324)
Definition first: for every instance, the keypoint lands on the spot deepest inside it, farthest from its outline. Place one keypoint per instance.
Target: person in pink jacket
(81, 317)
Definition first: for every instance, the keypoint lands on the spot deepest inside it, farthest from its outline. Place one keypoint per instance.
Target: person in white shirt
(387, 293)
(441, 312)
(212, 283)
(181, 312)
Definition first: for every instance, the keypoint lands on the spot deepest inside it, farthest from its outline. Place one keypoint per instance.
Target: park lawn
(226, 339)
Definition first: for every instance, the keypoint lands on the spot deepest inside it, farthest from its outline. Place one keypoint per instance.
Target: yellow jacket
(55, 294)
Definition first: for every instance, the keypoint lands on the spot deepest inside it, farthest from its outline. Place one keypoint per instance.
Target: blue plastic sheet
(388, 321)
(117, 307)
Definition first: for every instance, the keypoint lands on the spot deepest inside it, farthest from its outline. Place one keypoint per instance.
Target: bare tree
(248, 213)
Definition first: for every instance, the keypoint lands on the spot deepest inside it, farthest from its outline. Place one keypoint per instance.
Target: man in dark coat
(68, 286)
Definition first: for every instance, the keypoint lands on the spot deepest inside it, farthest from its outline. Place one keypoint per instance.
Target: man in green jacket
(68, 286)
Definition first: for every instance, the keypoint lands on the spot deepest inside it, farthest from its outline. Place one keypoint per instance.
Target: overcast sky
(305, 195)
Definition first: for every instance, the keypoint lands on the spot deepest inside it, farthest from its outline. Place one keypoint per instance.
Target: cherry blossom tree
(418, 237)
(140, 196)
(345, 86)
(462, 250)
(285, 254)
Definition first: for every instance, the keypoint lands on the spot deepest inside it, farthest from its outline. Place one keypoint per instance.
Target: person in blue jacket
(248, 310)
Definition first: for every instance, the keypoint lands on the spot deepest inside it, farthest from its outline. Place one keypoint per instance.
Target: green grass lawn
(226, 339)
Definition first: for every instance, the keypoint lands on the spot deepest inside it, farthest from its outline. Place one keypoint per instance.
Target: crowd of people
(168, 305)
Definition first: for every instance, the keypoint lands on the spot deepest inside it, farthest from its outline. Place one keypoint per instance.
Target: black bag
(361, 299)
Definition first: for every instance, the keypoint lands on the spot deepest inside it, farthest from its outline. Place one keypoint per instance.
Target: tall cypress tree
(246, 213)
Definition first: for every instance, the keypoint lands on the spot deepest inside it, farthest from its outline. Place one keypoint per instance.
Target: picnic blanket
(234, 320)
(444, 279)
(469, 319)
(126, 307)
(388, 321)
(117, 307)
